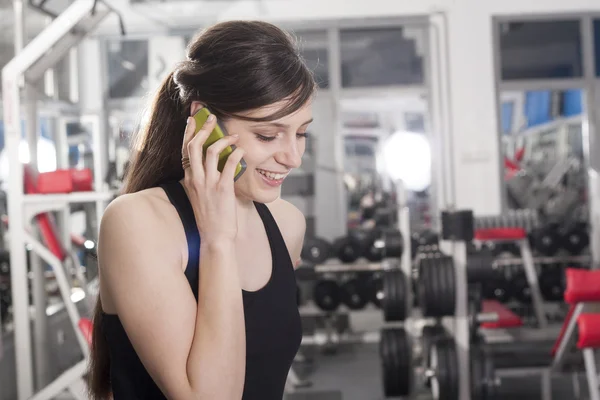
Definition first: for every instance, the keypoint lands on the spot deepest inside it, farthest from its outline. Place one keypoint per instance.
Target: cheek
(254, 151)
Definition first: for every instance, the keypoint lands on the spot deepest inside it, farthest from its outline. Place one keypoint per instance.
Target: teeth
(271, 175)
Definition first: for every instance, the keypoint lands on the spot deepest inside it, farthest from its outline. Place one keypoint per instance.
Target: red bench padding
(500, 234)
(87, 328)
(47, 228)
(582, 286)
(589, 331)
(58, 181)
(506, 318)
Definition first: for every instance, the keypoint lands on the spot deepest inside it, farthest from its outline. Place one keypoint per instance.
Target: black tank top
(273, 328)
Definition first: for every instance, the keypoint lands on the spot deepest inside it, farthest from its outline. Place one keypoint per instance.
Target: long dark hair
(233, 67)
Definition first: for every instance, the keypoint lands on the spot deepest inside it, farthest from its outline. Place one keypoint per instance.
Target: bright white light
(46, 157)
(77, 294)
(407, 156)
(88, 244)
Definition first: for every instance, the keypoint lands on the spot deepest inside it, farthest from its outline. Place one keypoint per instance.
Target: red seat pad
(589, 331)
(500, 234)
(582, 286)
(506, 318)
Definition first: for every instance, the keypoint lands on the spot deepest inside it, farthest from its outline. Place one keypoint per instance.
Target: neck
(245, 211)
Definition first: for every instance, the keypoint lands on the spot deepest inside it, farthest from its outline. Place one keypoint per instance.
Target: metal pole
(38, 283)
(590, 139)
(461, 328)
(40, 347)
(18, 260)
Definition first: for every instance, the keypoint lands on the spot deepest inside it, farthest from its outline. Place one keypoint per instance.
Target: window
(313, 46)
(597, 45)
(381, 57)
(540, 50)
(127, 68)
(507, 117)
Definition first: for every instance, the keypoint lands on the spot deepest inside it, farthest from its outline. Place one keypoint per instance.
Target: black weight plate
(316, 251)
(546, 240)
(327, 295)
(489, 375)
(576, 239)
(396, 360)
(477, 374)
(394, 295)
(429, 336)
(552, 283)
(452, 361)
(474, 309)
(374, 246)
(479, 266)
(450, 300)
(521, 289)
(354, 294)
(444, 385)
(437, 287)
(375, 289)
(423, 289)
(394, 243)
(347, 249)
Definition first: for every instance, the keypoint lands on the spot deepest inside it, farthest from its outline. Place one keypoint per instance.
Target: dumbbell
(552, 282)
(575, 239)
(348, 249)
(375, 288)
(546, 239)
(354, 293)
(383, 243)
(420, 239)
(327, 295)
(316, 250)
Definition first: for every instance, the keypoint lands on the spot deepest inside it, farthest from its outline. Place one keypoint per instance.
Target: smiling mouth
(272, 176)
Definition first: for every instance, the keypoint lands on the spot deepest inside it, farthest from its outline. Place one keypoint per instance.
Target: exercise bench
(519, 236)
(580, 333)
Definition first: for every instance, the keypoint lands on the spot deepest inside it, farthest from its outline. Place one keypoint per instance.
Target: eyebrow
(281, 125)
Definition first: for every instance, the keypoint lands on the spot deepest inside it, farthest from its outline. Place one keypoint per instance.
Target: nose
(290, 155)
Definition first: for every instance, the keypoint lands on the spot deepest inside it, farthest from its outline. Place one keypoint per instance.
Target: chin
(252, 186)
(266, 197)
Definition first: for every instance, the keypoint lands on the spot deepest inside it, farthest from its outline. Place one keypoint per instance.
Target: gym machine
(439, 283)
(64, 32)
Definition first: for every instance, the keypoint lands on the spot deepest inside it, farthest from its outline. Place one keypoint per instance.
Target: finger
(195, 145)
(231, 165)
(188, 135)
(214, 150)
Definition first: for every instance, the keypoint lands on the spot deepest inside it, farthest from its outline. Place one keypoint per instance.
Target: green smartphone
(219, 132)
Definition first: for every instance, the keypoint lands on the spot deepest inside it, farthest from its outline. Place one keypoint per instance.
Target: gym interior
(449, 187)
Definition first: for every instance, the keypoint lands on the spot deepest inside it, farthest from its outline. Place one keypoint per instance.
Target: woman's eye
(302, 135)
(264, 138)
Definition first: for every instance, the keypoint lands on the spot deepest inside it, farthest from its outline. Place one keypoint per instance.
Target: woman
(197, 288)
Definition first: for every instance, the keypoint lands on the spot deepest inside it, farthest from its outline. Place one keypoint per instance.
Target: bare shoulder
(138, 230)
(292, 225)
(287, 213)
(141, 211)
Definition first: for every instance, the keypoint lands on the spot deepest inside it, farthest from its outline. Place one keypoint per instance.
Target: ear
(196, 105)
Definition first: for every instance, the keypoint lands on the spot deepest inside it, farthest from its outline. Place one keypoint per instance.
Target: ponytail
(156, 152)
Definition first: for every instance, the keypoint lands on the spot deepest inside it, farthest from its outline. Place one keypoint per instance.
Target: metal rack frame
(52, 44)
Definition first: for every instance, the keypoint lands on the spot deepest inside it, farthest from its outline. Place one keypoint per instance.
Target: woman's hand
(211, 192)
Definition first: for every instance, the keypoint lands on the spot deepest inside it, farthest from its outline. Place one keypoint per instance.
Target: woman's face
(271, 150)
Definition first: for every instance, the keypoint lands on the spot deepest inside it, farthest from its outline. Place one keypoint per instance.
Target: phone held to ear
(219, 132)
